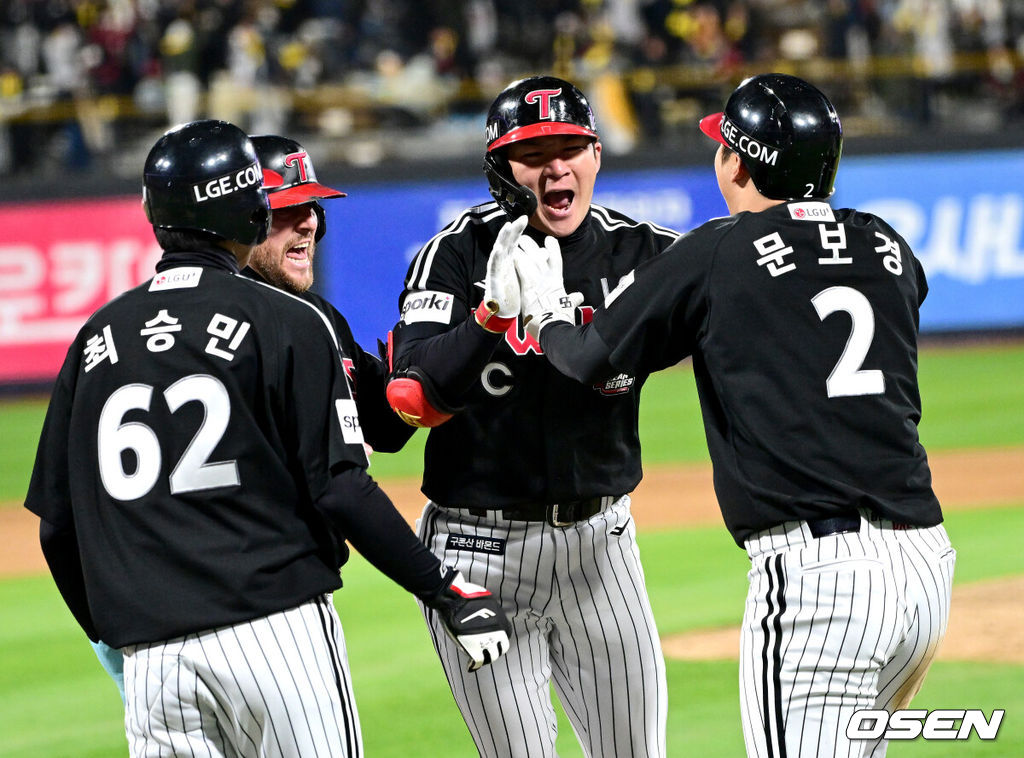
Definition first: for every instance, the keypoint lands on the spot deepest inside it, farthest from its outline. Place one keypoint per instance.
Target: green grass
(971, 685)
(55, 699)
(973, 396)
(20, 423)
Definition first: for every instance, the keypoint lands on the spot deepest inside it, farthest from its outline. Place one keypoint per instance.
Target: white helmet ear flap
(512, 197)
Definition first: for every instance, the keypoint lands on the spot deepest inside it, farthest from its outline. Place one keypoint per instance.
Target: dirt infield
(987, 622)
(669, 496)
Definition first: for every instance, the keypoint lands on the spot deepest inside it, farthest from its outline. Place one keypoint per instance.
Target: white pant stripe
(274, 686)
(581, 620)
(348, 723)
(855, 620)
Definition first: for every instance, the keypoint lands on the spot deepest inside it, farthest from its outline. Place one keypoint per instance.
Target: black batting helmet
(204, 176)
(289, 178)
(537, 106)
(785, 131)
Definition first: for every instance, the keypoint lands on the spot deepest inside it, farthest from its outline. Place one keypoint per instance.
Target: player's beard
(268, 261)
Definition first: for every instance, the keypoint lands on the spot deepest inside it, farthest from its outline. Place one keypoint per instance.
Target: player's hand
(473, 618)
(544, 299)
(501, 287)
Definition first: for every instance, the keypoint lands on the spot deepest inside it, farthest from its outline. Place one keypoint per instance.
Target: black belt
(555, 514)
(844, 524)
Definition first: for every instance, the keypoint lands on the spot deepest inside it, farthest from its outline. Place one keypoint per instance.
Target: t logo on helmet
(544, 97)
(300, 159)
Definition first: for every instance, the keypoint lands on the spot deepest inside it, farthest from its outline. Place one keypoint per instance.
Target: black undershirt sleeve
(383, 430)
(452, 360)
(577, 352)
(60, 548)
(365, 515)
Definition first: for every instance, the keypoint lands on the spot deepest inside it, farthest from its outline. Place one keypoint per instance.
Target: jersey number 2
(848, 379)
(192, 471)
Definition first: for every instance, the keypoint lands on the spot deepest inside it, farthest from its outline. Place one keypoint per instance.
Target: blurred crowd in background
(84, 82)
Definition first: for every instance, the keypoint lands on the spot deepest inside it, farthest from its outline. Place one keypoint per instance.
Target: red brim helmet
(538, 106)
(289, 177)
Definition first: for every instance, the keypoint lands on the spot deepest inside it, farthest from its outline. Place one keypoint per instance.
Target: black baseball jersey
(802, 323)
(194, 423)
(525, 433)
(382, 429)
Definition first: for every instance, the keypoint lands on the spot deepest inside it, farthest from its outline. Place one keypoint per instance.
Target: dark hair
(172, 240)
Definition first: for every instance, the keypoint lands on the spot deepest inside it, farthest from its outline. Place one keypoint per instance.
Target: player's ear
(736, 172)
(597, 153)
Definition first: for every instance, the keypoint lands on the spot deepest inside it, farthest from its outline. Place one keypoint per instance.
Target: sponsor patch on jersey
(236, 181)
(428, 305)
(348, 417)
(744, 143)
(811, 212)
(474, 543)
(176, 278)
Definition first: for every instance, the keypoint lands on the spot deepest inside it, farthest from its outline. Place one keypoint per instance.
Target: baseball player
(528, 474)
(802, 323)
(200, 468)
(285, 260)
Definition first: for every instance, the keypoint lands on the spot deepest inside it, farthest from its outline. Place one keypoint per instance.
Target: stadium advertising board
(955, 210)
(59, 261)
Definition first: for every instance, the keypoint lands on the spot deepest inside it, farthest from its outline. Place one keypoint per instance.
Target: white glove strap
(552, 307)
(483, 648)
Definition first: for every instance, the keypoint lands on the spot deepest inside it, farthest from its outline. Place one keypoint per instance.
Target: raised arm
(444, 340)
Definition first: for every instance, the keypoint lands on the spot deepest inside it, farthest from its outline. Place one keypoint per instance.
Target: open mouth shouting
(298, 254)
(558, 203)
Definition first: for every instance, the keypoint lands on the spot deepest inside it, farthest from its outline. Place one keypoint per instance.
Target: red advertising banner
(59, 262)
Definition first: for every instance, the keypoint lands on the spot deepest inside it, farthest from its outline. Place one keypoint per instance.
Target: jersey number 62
(192, 471)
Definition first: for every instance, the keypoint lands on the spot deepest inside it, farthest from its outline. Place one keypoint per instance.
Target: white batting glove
(544, 299)
(501, 287)
(473, 618)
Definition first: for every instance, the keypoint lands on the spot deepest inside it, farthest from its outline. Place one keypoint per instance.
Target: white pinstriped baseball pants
(834, 625)
(580, 619)
(274, 686)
